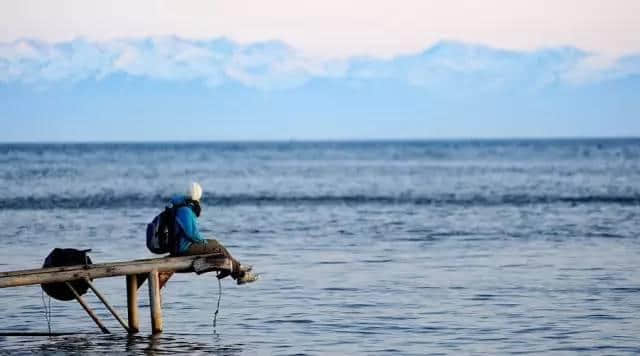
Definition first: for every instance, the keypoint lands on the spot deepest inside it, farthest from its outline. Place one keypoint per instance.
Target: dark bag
(60, 257)
(161, 232)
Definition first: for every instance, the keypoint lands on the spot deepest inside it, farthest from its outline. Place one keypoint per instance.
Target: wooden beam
(154, 302)
(87, 309)
(204, 263)
(106, 304)
(132, 303)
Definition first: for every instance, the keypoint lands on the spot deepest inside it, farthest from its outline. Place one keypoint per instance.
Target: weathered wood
(87, 309)
(204, 265)
(132, 303)
(106, 304)
(154, 302)
(102, 270)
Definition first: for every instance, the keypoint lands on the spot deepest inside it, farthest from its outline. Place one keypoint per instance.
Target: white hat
(194, 191)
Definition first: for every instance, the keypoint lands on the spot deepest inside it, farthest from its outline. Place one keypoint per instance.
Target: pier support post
(154, 302)
(132, 303)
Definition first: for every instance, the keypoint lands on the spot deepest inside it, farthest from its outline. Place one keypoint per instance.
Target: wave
(108, 201)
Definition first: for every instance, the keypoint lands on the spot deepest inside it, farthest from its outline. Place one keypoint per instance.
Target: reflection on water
(164, 344)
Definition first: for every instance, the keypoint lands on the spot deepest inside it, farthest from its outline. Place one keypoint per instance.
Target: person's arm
(189, 224)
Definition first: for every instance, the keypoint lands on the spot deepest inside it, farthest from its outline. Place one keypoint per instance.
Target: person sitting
(190, 242)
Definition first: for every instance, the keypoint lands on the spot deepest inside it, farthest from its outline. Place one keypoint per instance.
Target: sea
(437, 247)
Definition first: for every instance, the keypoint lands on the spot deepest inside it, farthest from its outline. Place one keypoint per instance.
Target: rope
(47, 311)
(215, 315)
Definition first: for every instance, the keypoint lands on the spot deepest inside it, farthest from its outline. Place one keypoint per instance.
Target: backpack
(161, 237)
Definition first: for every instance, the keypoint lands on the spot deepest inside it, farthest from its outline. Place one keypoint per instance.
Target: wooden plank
(102, 270)
(132, 303)
(68, 268)
(87, 309)
(154, 302)
(111, 264)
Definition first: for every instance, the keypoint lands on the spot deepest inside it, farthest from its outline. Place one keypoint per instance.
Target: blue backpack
(161, 237)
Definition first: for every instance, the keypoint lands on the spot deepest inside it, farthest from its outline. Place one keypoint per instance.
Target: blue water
(434, 247)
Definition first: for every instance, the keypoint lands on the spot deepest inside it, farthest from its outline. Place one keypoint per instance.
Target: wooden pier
(156, 270)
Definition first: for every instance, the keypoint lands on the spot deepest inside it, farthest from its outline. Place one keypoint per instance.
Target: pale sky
(339, 28)
(280, 69)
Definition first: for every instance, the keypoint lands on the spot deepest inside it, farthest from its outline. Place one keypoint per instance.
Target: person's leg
(210, 246)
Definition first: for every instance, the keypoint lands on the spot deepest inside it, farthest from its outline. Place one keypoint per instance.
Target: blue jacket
(186, 226)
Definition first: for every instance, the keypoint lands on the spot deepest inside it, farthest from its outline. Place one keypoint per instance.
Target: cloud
(285, 43)
(268, 65)
(272, 65)
(339, 29)
(600, 68)
(455, 67)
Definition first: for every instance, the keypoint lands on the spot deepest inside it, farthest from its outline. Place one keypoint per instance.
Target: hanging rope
(47, 311)
(215, 315)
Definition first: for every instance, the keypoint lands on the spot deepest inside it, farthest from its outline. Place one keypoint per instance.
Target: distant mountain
(171, 88)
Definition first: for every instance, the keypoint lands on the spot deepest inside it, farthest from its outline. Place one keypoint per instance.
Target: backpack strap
(174, 241)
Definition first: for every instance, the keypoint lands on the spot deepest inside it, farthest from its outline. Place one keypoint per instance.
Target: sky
(280, 70)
